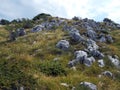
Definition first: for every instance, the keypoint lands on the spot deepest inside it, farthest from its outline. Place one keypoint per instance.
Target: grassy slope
(30, 50)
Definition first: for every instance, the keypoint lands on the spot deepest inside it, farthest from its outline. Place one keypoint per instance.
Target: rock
(72, 63)
(68, 28)
(74, 68)
(91, 45)
(22, 32)
(80, 56)
(97, 54)
(64, 84)
(109, 39)
(75, 35)
(102, 39)
(89, 61)
(101, 63)
(91, 86)
(63, 44)
(107, 73)
(12, 36)
(92, 34)
(37, 28)
(115, 61)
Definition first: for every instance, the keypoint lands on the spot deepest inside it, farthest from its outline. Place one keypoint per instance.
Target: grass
(19, 60)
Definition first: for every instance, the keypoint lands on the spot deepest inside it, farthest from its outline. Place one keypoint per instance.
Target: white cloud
(95, 9)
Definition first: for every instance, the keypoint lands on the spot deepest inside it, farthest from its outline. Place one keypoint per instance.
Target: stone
(12, 36)
(91, 45)
(80, 54)
(63, 44)
(102, 39)
(101, 63)
(22, 32)
(75, 35)
(72, 63)
(109, 39)
(37, 28)
(89, 85)
(64, 84)
(92, 34)
(89, 61)
(107, 73)
(97, 54)
(114, 60)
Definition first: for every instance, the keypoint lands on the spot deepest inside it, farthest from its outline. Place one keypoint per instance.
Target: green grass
(19, 61)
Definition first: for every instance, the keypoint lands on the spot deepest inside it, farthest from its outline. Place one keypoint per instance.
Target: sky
(92, 9)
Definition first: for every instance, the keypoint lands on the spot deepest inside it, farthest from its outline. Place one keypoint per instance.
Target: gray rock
(91, 45)
(22, 32)
(80, 55)
(107, 73)
(102, 39)
(101, 63)
(89, 61)
(37, 28)
(72, 63)
(109, 39)
(115, 61)
(63, 44)
(12, 36)
(68, 28)
(97, 54)
(75, 35)
(91, 86)
(92, 34)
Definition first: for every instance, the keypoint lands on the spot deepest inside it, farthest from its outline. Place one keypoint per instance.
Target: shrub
(52, 68)
(12, 75)
(4, 22)
(41, 16)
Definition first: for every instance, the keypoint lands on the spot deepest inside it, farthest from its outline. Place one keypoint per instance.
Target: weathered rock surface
(63, 44)
(91, 86)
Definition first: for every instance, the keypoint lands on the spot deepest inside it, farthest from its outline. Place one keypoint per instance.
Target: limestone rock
(63, 44)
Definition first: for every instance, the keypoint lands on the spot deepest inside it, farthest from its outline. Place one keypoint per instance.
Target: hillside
(34, 60)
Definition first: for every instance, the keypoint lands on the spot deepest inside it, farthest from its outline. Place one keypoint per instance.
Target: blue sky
(93, 9)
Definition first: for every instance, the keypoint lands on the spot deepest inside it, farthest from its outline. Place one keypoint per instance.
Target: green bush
(12, 75)
(41, 16)
(52, 68)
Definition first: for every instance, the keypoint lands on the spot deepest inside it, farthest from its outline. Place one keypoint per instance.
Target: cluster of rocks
(110, 23)
(17, 33)
(48, 25)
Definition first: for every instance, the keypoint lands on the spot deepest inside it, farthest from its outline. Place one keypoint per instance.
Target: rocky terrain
(58, 53)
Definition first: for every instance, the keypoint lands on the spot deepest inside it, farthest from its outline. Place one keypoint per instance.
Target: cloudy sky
(93, 9)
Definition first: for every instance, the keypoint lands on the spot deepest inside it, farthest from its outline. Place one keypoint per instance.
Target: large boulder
(89, 85)
(63, 44)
